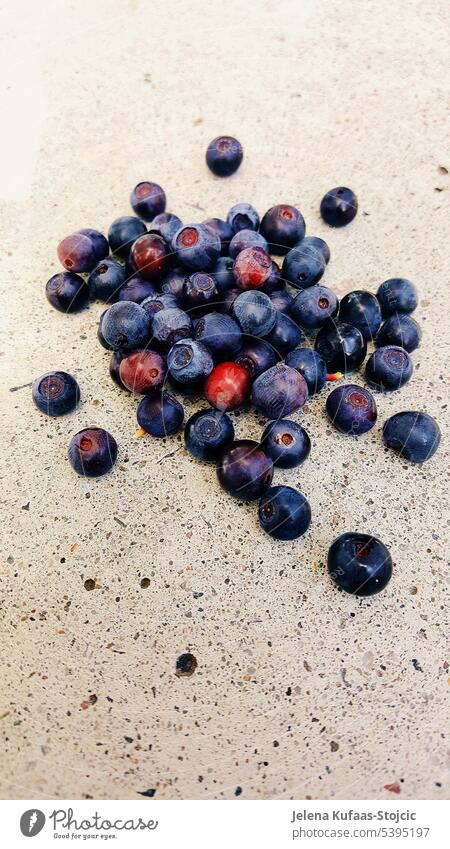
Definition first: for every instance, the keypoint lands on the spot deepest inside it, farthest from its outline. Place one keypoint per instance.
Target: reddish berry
(150, 256)
(142, 371)
(252, 268)
(227, 386)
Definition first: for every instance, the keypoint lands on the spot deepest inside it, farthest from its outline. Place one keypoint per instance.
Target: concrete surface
(300, 691)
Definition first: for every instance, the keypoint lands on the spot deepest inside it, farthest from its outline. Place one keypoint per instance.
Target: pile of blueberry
(203, 308)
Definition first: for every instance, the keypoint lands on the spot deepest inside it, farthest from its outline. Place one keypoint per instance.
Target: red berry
(252, 268)
(142, 371)
(227, 386)
(150, 256)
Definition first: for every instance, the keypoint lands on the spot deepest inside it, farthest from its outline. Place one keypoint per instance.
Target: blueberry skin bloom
(92, 452)
(189, 361)
(339, 206)
(223, 230)
(399, 329)
(361, 309)
(388, 368)
(351, 409)
(286, 443)
(359, 564)
(123, 232)
(170, 325)
(173, 283)
(200, 292)
(125, 325)
(285, 335)
(106, 279)
(413, 435)
(220, 334)
(165, 225)
(244, 470)
(256, 356)
(254, 313)
(81, 251)
(207, 432)
(243, 216)
(284, 513)
(314, 306)
(56, 393)
(197, 247)
(341, 346)
(160, 414)
(303, 267)
(137, 289)
(279, 391)
(282, 300)
(246, 239)
(311, 366)
(283, 226)
(156, 303)
(67, 292)
(224, 156)
(148, 199)
(397, 295)
(318, 244)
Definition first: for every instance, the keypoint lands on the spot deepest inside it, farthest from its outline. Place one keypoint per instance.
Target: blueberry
(397, 295)
(224, 156)
(197, 247)
(170, 325)
(244, 470)
(220, 333)
(67, 292)
(81, 251)
(283, 226)
(314, 306)
(207, 432)
(275, 281)
(284, 513)
(123, 232)
(148, 200)
(229, 298)
(114, 368)
(142, 371)
(100, 336)
(252, 268)
(200, 292)
(279, 391)
(243, 216)
(165, 225)
(282, 300)
(351, 409)
(256, 356)
(106, 279)
(223, 230)
(311, 366)
(92, 452)
(399, 329)
(341, 346)
(359, 564)
(285, 335)
(157, 302)
(56, 393)
(137, 289)
(160, 414)
(173, 283)
(361, 309)
(246, 239)
(227, 386)
(388, 368)
(254, 312)
(125, 325)
(303, 267)
(189, 361)
(286, 443)
(413, 435)
(150, 257)
(339, 206)
(318, 244)
(222, 273)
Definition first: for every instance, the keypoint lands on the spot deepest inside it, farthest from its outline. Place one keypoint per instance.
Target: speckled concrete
(300, 691)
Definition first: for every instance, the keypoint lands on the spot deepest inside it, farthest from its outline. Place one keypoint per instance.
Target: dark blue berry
(207, 432)
(243, 216)
(359, 564)
(284, 513)
(400, 329)
(341, 346)
(114, 368)
(67, 292)
(170, 325)
(123, 232)
(246, 239)
(303, 267)
(285, 335)
(279, 391)
(283, 226)
(222, 274)
(318, 244)
(100, 336)
(256, 356)
(157, 302)
(311, 366)
(99, 241)
(314, 306)
(92, 452)
(361, 309)
(197, 247)
(281, 299)
(228, 299)
(339, 206)
(244, 470)
(200, 293)
(351, 409)
(274, 282)
(189, 361)
(173, 283)
(125, 325)
(413, 435)
(106, 279)
(148, 199)
(137, 289)
(388, 368)
(254, 312)
(220, 333)
(224, 156)
(56, 393)
(397, 295)
(287, 443)
(223, 230)
(166, 225)
(160, 414)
